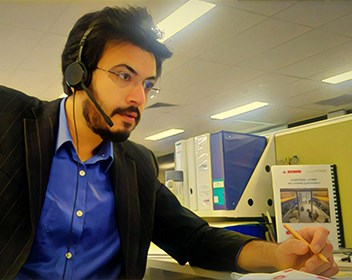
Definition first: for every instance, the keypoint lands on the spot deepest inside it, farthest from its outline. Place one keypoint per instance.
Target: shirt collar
(105, 151)
(64, 133)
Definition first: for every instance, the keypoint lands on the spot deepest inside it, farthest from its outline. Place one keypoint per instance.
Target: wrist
(258, 256)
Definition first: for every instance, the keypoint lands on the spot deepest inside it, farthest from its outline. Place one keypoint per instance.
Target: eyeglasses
(124, 79)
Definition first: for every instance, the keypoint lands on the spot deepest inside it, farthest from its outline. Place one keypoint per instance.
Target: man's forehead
(127, 53)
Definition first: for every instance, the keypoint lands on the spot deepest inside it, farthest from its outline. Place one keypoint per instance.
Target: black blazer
(145, 209)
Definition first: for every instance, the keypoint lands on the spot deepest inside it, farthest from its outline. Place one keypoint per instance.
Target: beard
(97, 124)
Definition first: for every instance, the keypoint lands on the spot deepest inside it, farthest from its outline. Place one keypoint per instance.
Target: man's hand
(261, 256)
(294, 253)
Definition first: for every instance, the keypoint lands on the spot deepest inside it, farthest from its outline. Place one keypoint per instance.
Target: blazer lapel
(40, 141)
(124, 180)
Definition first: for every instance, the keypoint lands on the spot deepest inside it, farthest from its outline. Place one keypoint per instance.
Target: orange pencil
(298, 236)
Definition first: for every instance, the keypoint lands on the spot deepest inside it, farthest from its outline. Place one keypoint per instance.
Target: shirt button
(82, 173)
(68, 255)
(79, 213)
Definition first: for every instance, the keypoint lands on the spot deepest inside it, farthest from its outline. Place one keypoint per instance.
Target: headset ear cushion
(75, 74)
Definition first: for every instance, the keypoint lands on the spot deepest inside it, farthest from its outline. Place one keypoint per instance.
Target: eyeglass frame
(134, 75)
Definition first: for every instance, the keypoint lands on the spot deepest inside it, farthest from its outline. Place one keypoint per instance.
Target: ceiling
(241, 51)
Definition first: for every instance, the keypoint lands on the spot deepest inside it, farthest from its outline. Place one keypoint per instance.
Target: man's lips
(130, 114)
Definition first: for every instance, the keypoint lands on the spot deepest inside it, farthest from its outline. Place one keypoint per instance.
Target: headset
(77, 76)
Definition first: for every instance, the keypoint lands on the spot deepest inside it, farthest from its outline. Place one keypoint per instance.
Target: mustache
(127, 110)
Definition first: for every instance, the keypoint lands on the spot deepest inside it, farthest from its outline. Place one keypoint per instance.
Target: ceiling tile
(32, 83)
(214, 84)
(294, 114)
(282, 93)
(36, 15)
(218, 25)
(260, 7)
(295, 50)
(5, 74)
(314, 96)
(53, 91)
(341, 25)
(254, 41)
(331, 61)
(16, 44)
(315, 13)
(77, 8)
(191, 72)
(337, 101)
(46, 55)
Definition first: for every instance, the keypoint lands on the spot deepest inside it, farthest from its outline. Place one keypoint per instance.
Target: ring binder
(307, 195)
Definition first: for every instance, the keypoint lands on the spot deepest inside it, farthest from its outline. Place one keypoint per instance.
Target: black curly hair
(132, 24)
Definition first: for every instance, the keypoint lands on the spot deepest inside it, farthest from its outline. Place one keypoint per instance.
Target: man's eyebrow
(131, 69)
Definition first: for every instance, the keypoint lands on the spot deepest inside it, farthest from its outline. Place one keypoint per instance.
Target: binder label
(219, 192)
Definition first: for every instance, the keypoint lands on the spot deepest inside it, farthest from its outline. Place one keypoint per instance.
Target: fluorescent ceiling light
(183, 16)
(239, 110)
(339, 78)
(164, 134)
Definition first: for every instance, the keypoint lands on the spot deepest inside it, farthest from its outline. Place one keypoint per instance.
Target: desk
(345, 267)
(165, 267)
(161, 266)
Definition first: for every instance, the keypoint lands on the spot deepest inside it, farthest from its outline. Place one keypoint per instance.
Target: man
(80, 201)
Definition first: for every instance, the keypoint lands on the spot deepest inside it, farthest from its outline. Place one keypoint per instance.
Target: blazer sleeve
(188, 238)
(177, 230)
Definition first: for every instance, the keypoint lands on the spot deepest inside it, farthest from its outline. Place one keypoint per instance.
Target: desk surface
(166, 263)
(159, 260)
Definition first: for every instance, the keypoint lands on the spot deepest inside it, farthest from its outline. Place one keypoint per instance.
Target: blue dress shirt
(77, 235)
